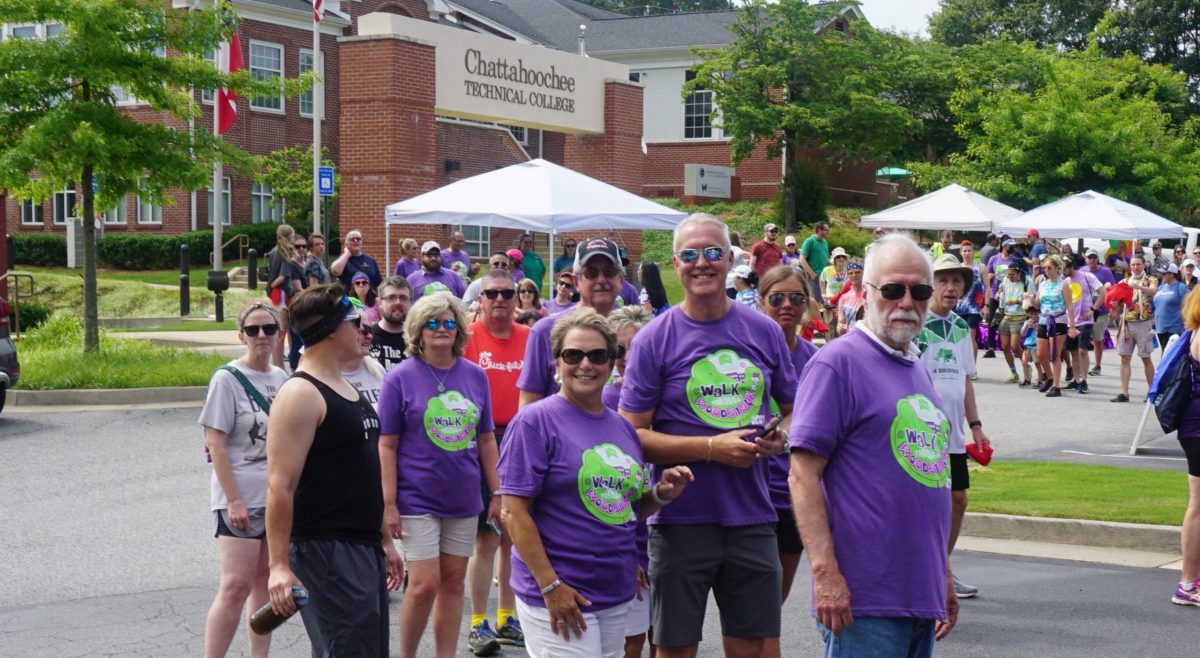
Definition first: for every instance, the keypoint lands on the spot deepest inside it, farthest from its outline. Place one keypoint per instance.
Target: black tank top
(340, 493)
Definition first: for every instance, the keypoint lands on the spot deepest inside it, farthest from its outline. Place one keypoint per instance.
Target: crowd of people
(613, 459)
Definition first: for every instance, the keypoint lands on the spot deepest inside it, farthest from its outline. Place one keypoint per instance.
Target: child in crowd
(746, 284)
(1029, 342)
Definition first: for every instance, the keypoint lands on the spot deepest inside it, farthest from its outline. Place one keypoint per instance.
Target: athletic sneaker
(990, 354)
(1072, 386)
(1121, 397)
(973, 377)
(510, 633)
(1083, 387)
(1054, 392)
(1045, 386)
(1026, 384)
(1013, 378)
(1094, 371)
(1187, 594)
(965, 591)
(482, 641)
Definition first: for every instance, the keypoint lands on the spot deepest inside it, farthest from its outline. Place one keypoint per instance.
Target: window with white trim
(307, 105)
(117, 214)
(261, 209)
(64, 205)
(521, 134)
(208, 96)
(147, 211)
(122, 94)
(31, 213)
(227, 218)
(697, 112)
(23, 32)
(266, 63)
(53, 30)
(478, 240)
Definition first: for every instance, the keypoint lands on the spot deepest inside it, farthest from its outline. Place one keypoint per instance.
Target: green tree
(289, 173)
(1159, 31)
(1078, 121)
(1065, 23)
(60, 124)
(792, 79)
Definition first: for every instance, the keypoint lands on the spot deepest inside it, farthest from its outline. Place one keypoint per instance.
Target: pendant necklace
(441, 383)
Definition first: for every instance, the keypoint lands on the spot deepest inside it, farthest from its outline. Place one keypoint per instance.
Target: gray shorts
(740, 565)
(347, 611)
(1138, 334)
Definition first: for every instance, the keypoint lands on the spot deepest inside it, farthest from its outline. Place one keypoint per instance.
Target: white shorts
(604, 637)
(425, 537)
(638, 621)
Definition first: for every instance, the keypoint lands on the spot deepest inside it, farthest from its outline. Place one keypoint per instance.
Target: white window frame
(277, 73)
(261, 209)
(520, 133)
(124, 98)
(311, 94)
(32, 213)
(62, 207)
(10, 30)
(118, 214)
(147, 212)
(478, 239)
(227, 218)
(209, 96)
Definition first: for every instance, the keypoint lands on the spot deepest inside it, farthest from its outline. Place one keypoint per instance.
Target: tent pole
(387, 243)
(1133, 448)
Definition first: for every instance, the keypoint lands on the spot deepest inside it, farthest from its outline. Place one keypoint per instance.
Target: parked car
(10, 369)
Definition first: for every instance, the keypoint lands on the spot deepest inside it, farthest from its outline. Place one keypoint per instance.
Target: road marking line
(1092, 454)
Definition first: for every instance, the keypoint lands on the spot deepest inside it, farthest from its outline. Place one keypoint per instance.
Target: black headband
(328, 324)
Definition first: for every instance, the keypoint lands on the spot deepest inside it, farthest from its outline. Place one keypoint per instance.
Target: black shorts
(257, 529)
(1081, 342)
(973, 320)
(1191, 448)
(347, 611)
(787, 535)
(1045, 335)
(960, 477)
(485, 492)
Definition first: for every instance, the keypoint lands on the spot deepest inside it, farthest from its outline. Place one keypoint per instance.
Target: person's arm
(728, 448)
(1069, 302)
(217, 442)
(489, 456)
(388, 444)
(562, 601)
(973, 422)
(297, 411)
(671, 484)
(831, 595)
(337, 266)
(527, 398)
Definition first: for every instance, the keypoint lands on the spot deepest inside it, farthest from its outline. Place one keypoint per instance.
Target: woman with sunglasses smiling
(368, 300)
(1057, 322)
(235, 432)
(573, 490)
(529, 298)
(564, 289)
(437, 436)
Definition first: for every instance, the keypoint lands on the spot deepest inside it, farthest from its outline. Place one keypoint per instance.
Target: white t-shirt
(368, 380)
(228, 407)
(945, 345)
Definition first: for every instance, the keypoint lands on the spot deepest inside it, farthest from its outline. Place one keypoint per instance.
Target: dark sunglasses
(595, 272)
(357, 320)
(774, 230)
(432, 324)
(893, 291)
(301, 246)
(503, 266)
(711, 254)
(566, 284)
(507, 294)
(569, 245)
(775, 299)
(362, 283)
(251, 330)
(574, 357)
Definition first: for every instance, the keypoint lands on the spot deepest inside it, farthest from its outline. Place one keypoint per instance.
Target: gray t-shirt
(231, 409)
(368, 380)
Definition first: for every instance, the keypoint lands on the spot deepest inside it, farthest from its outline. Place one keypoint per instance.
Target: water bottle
(264, 620)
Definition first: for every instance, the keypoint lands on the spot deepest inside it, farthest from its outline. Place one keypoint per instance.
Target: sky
(900, 15)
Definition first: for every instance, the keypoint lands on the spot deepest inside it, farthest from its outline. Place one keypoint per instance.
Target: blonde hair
(283, 242)
(427, 308)
(629, 316)
(1191, 310)
(408, 243)
(582, 317)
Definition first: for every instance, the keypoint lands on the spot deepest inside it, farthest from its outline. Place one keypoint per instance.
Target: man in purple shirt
(698, 386)
(1106, 278)
(870, 475)
(433, 277)
(456, 253)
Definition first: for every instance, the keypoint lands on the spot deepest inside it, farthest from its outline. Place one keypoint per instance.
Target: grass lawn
(196, 325)
(123, 298)
(198, 277)
(1081, 491)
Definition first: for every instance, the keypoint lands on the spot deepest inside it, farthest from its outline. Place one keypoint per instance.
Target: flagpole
(219, 168)
(316, 120)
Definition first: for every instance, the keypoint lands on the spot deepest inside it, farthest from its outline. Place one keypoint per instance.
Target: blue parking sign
(325, 181)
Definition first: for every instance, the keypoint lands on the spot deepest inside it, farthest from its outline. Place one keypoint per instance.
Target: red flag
(318, 10)
(229, 60)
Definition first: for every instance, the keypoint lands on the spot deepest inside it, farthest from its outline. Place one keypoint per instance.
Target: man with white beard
(870, 475)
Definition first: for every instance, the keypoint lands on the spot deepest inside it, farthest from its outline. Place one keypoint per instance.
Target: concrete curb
(107, 396)
(1104, 534)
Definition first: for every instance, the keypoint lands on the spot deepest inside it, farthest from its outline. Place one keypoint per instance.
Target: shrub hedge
(144, 251)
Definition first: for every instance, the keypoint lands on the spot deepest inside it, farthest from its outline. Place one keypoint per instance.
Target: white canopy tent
(952, 208)
(533, 196)
(1091, 215)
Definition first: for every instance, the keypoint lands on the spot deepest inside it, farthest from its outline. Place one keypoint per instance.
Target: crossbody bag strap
(241, 377)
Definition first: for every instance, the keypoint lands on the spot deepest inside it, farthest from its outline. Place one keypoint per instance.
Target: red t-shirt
(766, 255)
(501, 360)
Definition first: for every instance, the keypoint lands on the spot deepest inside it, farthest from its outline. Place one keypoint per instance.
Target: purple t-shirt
(538, 374)
(887, 480)
(702, 379)
(438, 452)
(584, 472)
(628, 294)
(405, 267)
(1104, 276)
(1084, 287)
(781, 496)
(449, 257)
(611, 397)
(553, 306)
(424, 283)
(997, 266)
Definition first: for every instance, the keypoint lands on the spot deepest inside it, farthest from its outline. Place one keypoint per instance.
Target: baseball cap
(597, 247)
(1171, 268)
(1008, 242)
(429, 246)
(1093, 252)
(742, 271)
(967, 242)
(515, 255)
(1155, 243)
(1032, 232)
(770, 227)
(791, 239)
(1189, 262)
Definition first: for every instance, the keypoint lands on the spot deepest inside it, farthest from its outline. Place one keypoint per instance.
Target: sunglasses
(574, 357)
(711, 254)
(566, 284)
(893, 291)
(361, 283)
(252, 330)
(301, 246)
(570, 245)
(450, 324)
(775, 299)
(595, 272)
(526, 292)
(503, 266)
(507, 294)
(774, 230)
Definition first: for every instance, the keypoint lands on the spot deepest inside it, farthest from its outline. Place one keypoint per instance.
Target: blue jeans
(881, 637)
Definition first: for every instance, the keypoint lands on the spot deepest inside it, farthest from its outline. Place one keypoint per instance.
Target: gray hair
(503, 275)
(885, 246)
(701, 218)
(629, 316)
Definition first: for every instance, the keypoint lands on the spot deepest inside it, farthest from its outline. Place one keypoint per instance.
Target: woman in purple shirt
(436, 433)
(573, 490)
(1187, 592)
(410, 258)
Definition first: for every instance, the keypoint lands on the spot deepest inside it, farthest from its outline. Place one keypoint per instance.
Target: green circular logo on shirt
(920, 434)
(726, 390)
(450, 421)
(609, 480)
(434, 286)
